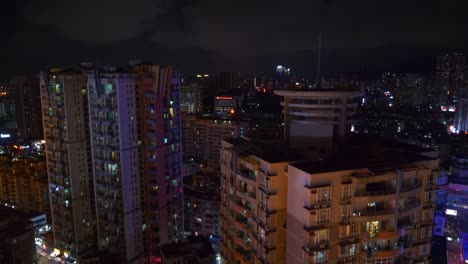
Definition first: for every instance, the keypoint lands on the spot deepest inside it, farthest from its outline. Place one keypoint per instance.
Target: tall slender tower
(66, 131)
(135, 131)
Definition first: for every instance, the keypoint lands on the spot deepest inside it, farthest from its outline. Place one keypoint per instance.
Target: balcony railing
(345, 200)
(317, 226)
(269, 173)
(410, 187)
(373, 193)
(376, 212)
(267, 190)
(323, 203)
(248, 174)
(408, 206)
(317, 246)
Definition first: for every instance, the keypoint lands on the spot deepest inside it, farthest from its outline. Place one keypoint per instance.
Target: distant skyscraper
(281, 78)
(461, 113)
(227, 81)
(28, 107)
(66, 130)
(191, 98)
(450, 76)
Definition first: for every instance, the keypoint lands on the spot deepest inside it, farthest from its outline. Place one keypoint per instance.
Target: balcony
(347, 259)
(267, 190)
(345, 220)
(268, 173)
(349, 239)
(429, 205)
(318, 204)
(268, 227)
(409, 187)
(370, 214)
(377, 196)
(430, 186)
(383, 252)
(241, 208)
(317, 226)
(345, 200)
(247, 174)
(249, 196)
(317, 246)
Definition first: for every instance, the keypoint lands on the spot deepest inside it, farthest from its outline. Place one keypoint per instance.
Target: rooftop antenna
(318, 58)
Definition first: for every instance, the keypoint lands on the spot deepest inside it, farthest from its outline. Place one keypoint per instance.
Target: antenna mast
(318, 57)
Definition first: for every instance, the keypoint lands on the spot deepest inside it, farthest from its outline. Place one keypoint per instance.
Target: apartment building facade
(253, 201)
(65, 118)
(361, 211)
(136, 143)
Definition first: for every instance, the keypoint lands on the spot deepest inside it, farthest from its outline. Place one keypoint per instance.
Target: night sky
(240, 35)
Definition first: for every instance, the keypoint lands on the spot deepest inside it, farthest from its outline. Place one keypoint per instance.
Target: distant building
(227, 81)
(461, 113)
(202, 203)
(457, 196)
(28, 107)
(191, 98)
(318, 117)
(281, 77)
(24, 184)
(406, 89)
(228, 104)
(17, 238)
(202, 136)
(193, 250)
(450, 76)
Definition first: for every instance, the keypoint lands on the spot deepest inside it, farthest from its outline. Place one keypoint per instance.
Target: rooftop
(351, 160)
(371, 152)
(268, 151)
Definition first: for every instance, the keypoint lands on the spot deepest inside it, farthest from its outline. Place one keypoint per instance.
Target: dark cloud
(103, 21)
(230, 34)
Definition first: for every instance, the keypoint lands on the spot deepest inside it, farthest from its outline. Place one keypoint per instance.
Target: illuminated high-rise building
(137, 158)
(114, 158)
(369, 203)
(65, 117)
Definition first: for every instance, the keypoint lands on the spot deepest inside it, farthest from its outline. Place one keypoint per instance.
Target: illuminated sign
(451, 212)
(224, 97)
(4, 135)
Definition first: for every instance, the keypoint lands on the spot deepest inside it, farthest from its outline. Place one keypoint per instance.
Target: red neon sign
(224, 97)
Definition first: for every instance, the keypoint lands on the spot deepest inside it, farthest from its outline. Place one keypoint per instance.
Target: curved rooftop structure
(321, 116)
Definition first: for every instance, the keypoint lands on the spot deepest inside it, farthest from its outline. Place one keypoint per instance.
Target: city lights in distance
(224, 97)
(451, 212)
(5, 135)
